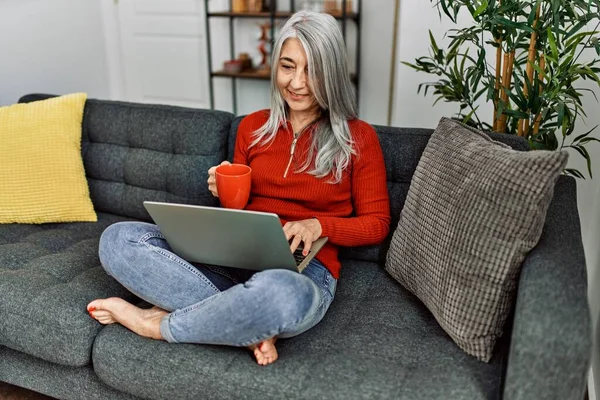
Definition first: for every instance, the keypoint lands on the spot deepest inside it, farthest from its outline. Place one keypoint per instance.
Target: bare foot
(105, 317)
(265, 351)
(143, 322)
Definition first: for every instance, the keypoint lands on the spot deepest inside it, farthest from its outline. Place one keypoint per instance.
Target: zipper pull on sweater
(292, 149)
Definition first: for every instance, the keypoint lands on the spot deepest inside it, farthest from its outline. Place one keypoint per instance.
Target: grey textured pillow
(474, 208)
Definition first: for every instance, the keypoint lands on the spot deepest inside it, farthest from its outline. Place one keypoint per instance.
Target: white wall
(417, 17)
(410, 109)
(52, 46)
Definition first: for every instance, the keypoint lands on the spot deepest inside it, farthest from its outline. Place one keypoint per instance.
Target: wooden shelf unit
(251, 74)
(273, 15)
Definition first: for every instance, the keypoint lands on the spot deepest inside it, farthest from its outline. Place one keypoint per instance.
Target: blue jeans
(211, 304)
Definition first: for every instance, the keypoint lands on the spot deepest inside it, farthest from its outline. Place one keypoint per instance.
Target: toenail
(92, 308)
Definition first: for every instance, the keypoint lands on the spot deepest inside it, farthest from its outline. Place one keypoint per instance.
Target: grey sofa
(376, 342)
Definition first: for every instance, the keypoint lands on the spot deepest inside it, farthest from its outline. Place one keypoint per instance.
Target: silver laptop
(229, 238)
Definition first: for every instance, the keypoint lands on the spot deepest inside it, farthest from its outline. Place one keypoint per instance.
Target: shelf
(253, 74)
(266, 14)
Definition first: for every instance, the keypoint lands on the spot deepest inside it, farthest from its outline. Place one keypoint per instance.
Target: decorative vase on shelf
(239, 6)
(264, 47)
(255, 5)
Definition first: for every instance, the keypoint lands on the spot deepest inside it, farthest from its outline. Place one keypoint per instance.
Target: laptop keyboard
(298, 256)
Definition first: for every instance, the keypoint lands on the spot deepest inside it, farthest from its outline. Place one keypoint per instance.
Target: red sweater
(354, 212)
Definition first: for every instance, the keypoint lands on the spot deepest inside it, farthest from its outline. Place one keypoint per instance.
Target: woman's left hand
(306, 231)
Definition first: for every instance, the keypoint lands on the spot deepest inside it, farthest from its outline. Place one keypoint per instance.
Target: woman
(314, 164)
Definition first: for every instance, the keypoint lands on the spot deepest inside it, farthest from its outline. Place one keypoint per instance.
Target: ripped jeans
(210, 304)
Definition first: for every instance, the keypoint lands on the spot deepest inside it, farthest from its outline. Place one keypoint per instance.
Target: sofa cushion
(474, 209)
(48, 274)
(41, 171)
(58, 381)
(137, 152)
(376, 341)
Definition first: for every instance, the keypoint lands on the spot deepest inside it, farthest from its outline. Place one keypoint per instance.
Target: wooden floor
(9, 392)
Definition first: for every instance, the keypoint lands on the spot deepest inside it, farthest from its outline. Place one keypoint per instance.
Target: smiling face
(292, 79)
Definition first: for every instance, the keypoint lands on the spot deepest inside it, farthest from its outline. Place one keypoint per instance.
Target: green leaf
(462, 63)
(482, 7)
(589, 139)
(446, 11)
(453, 52)
(596, 44)
(578, 138)
(584, 153)
(470, 7)
(567, 128)
(532, 13)
(411, 65)
(575, 29)
(478, 94)
(519, 101)
(469, 115)
(575, 173)
(552, 43)
(578, 38)
(501, 107)
(566, 61)
(561, 114)
(511, 24)
(551, 141)
(481, 58)
(555, 16)
(588, 71)
(434, 45)
(515, 113)
(490, 91)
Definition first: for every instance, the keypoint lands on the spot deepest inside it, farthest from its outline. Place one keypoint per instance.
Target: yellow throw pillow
(41, 170)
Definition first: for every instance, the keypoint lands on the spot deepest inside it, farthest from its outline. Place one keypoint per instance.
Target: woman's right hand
(212, 181)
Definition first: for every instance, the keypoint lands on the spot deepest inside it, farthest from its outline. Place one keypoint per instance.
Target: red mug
(233, 185)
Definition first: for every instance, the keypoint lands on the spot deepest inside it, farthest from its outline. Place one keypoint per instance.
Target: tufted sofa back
(137, 152)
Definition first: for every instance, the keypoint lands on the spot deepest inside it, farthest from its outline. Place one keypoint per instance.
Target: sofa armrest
(28, 98)
(551, 337)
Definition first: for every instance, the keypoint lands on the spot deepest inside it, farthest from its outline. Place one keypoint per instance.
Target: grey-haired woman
(314, 164)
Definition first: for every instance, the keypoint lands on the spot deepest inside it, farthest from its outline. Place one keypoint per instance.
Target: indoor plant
(528, 58)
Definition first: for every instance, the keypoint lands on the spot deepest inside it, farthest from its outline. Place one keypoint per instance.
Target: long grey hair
(329, 81)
